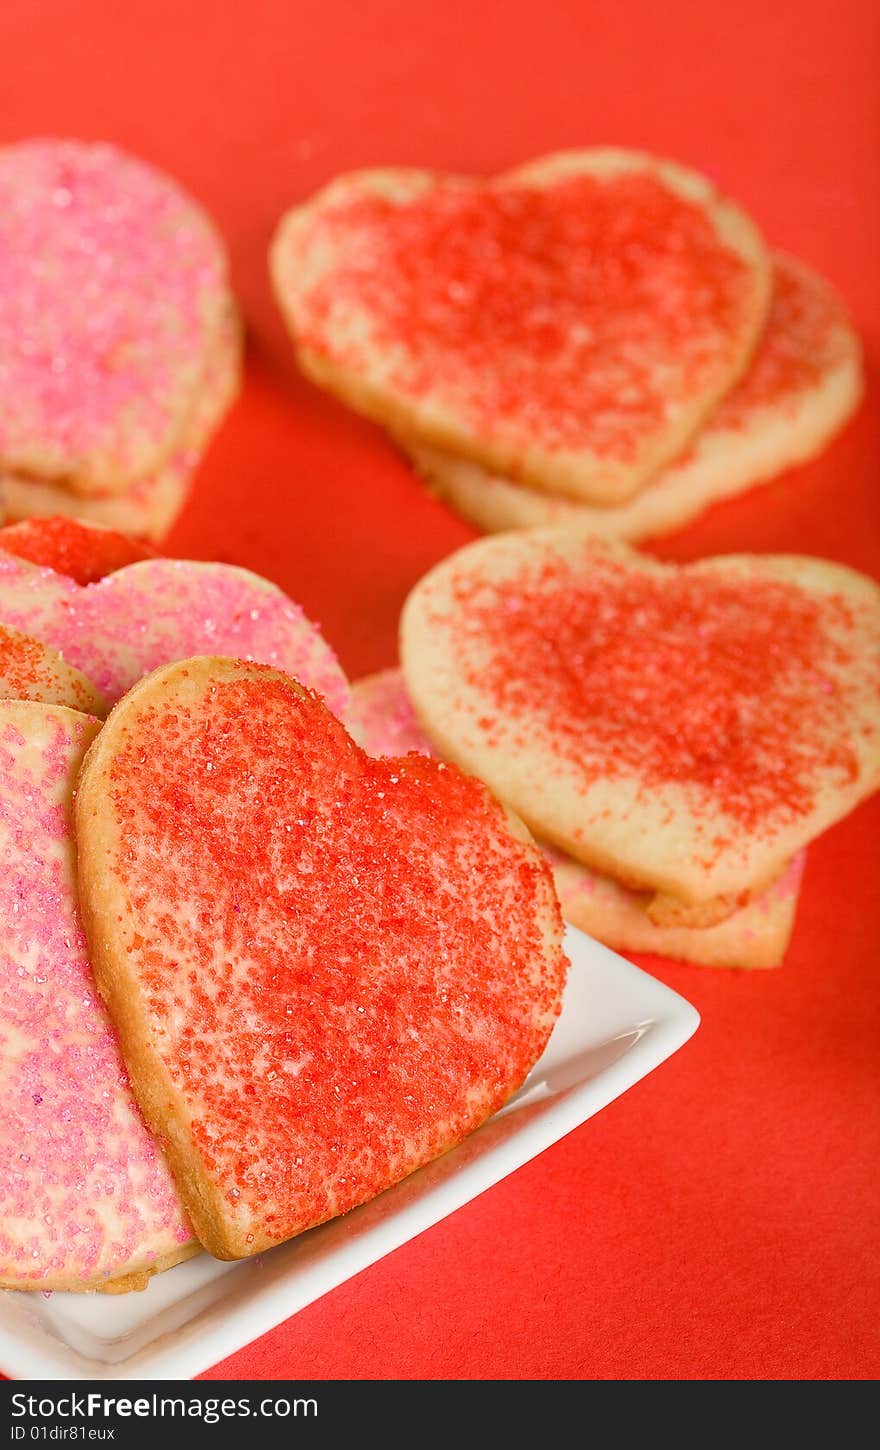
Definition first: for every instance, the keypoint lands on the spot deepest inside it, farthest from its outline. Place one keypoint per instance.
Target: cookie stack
(677, 735)
(120, 345)
(597, 339)
(243, 985)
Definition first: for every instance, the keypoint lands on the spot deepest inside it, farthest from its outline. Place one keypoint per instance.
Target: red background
(721, 1220)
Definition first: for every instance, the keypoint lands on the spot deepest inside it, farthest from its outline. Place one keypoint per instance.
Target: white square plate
(617, 1025)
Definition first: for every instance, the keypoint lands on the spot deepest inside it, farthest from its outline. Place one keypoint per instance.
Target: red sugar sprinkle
(22, 665)
(732, 687)
(580, 311)
(342, 957)
(69, 547)
(28, 672)
(803, 340)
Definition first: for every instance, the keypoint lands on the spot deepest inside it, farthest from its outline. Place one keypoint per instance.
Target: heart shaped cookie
(325, 969)
(149, 505)
(752, 937)
(382, 720)
(30, 670)
(685, 730)
(86, 1200)
(571, 323)
(136, 618)
(114, 294)
(84, 552)
(803, 383)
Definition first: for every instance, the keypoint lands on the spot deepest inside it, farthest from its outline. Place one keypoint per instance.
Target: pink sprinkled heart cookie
(150, 505)
(571, 323)
(325, 970)
(684, 729)
(114, 294)
(753, 936)
(141, 616)
(147, 509)
(82, 551)
(30, 670)
(382, 720)
(802, 385)
(86, 1199)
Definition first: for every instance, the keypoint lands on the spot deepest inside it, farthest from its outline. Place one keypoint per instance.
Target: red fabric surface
(721, 1220)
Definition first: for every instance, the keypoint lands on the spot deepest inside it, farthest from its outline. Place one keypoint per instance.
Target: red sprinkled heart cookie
(685, 729)
(82, 551)
(803, 383)
(570, 324)
(325, 969)
(31, 670)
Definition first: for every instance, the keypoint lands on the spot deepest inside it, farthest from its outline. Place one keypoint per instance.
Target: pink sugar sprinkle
(89, 1193)
(381, 717)
(109, 279)
(160, 610)
(789, 882)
